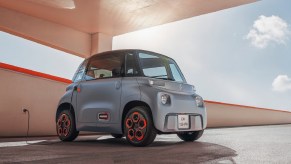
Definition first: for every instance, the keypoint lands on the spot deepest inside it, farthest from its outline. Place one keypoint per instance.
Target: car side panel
(95, 97)
(130, 92)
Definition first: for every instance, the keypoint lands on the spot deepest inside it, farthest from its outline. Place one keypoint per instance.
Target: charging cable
(28, 120)
(28, 125)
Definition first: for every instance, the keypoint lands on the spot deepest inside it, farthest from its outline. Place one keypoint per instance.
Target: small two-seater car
(132, 93)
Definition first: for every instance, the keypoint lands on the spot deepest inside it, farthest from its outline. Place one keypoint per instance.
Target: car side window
(175, 72)
(130, 68)
(105, 66)
(80, 72)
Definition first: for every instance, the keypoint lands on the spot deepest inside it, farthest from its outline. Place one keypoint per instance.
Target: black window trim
(136, 64)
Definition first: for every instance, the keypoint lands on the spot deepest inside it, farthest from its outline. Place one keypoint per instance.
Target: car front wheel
(139, 127)
(66, 126)
(190, 136)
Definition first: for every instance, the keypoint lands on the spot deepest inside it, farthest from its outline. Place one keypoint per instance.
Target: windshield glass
(160, 67)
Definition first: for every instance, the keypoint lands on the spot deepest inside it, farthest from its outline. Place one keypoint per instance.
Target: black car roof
(129, 50)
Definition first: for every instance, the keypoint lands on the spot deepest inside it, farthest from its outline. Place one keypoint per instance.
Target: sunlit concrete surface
(19, 143)
(115, 17)
(86, 27)
(257, 144)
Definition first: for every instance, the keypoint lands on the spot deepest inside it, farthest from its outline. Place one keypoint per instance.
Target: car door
(98, 95)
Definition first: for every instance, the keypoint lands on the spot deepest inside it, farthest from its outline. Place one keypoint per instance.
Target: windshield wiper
(158, 76)
(162, 78)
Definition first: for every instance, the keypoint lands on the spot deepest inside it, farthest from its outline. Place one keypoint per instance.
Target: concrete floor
(257, 144)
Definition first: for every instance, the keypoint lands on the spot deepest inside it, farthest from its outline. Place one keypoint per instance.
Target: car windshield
(160, 67)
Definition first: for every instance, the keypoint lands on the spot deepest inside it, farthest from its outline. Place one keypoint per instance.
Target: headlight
(165, 99)
(199, 101)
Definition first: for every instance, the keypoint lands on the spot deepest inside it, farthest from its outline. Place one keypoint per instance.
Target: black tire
(190, 136)
(117, 135)
(66, 126)
(139, 127)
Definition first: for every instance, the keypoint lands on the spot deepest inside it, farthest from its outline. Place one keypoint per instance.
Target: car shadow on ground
(113, 150)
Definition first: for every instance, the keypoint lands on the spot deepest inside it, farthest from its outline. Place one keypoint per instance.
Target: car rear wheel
(190, 136)
(139, 127)
(117, 135)
(66, 126)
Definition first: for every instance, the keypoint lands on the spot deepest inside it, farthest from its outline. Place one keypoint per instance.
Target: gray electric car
(132, 93)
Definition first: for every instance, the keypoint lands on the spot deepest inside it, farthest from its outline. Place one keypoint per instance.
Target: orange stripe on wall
(34, 73)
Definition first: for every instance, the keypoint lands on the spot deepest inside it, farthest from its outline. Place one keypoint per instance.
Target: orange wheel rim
(65, 131)
(60, 131)
(130, 134)
(142, 123)
(135, 116)
(135, 125)
(63, 125)
(68, 123)
(129, 123)
(139, 135)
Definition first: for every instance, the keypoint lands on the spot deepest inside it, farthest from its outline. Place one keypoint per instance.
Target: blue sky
(240, 55)
(27, 54)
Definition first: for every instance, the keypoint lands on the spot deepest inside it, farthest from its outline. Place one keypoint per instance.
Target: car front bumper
(166, 116)
(171, 122)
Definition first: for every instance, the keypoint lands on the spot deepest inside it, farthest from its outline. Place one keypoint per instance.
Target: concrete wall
(40, 94)
(229, 115)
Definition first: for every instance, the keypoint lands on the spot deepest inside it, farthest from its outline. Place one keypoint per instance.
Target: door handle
(117, 84)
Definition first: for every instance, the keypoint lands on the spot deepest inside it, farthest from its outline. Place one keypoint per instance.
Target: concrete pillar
(100, 42)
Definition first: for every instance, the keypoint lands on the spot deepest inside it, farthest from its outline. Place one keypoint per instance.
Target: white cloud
(281, 83)
(268, 29)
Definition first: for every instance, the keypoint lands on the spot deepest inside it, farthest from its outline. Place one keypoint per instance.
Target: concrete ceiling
(115, 17)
